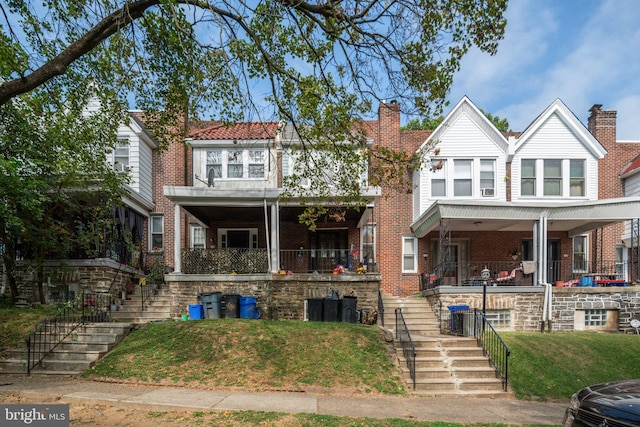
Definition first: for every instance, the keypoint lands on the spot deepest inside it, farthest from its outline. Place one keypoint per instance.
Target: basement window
(595, 317)
(499, 319)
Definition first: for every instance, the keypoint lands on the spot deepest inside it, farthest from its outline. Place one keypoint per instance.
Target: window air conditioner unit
(488, 192)
(119, 167)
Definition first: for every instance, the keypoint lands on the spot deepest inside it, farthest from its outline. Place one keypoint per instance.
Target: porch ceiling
(230, 214)
(511, 216)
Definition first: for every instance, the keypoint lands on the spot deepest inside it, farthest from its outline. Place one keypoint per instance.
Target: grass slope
(255, 355)
(557, 365)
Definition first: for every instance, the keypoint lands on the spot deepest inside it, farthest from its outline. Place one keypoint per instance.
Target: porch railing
(50, 332)
(244, 261)
(225, 261)
(408, 348)
(511, 272)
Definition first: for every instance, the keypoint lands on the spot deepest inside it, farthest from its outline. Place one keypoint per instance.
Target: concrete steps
(444, 364)
(75, 354)
(157, 308)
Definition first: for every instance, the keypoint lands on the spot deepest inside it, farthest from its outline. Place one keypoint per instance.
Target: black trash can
(348, 309)
(314, 309)
(330, 310)
(232, 306)
(212, 305)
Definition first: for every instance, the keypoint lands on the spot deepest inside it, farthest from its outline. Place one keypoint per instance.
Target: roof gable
(466, 112)
(556, 113)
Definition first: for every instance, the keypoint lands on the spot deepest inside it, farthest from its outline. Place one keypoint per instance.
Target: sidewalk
(168, 398)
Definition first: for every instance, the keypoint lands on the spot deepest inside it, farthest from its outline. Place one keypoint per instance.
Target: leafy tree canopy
(318, 65)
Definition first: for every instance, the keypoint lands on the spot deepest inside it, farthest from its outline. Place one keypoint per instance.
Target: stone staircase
(75, 354)
(444, 364)
(157, 308)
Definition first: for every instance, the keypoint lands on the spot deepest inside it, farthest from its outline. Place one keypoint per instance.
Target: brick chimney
(602, 125)
(389, 124)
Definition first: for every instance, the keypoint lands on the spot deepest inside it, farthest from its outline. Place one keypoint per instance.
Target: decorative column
(177, 260)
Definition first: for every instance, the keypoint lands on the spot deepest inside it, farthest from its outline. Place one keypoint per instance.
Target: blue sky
(584, 52)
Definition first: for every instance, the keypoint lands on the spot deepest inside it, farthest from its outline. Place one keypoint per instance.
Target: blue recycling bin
(196, 312)
(456, 321)
(248, 308)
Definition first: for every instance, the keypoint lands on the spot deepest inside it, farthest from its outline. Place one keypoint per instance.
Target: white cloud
(583, 52)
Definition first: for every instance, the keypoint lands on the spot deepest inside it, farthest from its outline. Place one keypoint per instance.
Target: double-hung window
(409, 254)
(553, 177)
(121, 156)
(197, 237)
(528, 177)
(214, 163)
(157, 232)
(576, 184)
(439, 181)
(462, 178)
(579, 254)
(488, 177)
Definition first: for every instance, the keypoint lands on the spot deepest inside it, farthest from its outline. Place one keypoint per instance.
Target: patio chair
(506, 278)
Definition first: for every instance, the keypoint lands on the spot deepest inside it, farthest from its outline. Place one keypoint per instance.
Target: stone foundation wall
(525, 303)
(277, 296)
(64, 280)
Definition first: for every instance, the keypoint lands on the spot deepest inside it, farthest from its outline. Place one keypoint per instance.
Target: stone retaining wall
(525, 304)
(277, 296)
(63, 280)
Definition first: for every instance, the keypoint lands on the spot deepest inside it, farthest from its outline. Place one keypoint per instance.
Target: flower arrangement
(514, 253)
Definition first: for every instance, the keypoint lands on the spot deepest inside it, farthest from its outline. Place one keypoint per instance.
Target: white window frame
(122, 156)
(408, 256)
(440, 176)
(577, 181)
(197, 231)
(366, 230)
(461, 174)
(552, 179)
(227, 161)
(528, 178)
(223, 240)
(575, 244)
(153, 232)
(487, 183)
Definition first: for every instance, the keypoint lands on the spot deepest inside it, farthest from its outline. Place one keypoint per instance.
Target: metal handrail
(50, 332)
(492, 346)
(408, 348)
(380, 308)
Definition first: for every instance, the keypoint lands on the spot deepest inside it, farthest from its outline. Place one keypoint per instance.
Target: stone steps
(444, 364)
(75, 354)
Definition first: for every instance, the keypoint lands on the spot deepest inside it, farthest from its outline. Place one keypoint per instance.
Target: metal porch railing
(493, 346)
(408, 348)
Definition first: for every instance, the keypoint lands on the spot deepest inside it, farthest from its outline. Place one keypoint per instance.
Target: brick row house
(545, 205)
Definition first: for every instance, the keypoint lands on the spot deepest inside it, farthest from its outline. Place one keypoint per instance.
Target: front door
(331, 250)
(553, 261)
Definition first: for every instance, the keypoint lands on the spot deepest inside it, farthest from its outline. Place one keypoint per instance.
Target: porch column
(177, 260)
(275, 239)
(541, 250)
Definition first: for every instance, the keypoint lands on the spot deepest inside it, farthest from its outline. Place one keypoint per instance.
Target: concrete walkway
(168, 398)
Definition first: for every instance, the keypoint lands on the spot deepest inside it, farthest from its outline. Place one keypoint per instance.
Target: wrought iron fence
(225, 261)
(408, 348)
(49, 333)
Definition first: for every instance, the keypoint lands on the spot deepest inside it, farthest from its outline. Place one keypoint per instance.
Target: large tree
(317, 65)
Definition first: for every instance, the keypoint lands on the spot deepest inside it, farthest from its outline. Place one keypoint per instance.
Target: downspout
(266, 232)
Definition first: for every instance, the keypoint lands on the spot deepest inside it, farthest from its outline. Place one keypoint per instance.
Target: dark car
(613, 404)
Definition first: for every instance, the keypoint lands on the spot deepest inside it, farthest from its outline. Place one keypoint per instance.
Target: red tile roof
(252, 130)
(635, 164)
